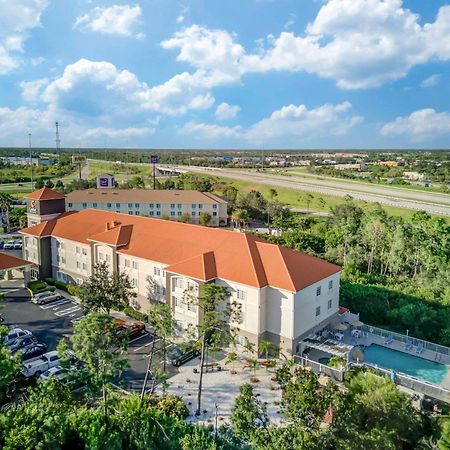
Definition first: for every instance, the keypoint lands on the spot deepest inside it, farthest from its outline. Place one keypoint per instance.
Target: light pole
(31, 160)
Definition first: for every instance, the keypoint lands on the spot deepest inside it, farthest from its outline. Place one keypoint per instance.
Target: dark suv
(180, 354)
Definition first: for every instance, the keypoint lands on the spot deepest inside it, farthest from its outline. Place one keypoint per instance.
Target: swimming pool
(409, 364)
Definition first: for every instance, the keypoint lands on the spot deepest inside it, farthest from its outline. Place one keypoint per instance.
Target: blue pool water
(415, 366)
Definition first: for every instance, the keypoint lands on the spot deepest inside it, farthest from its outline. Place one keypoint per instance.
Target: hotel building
(284, 295)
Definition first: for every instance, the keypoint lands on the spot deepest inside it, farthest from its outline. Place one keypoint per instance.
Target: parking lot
(55, 320)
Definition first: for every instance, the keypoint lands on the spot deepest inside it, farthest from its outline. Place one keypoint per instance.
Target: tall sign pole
(154, 161)
(31, 160)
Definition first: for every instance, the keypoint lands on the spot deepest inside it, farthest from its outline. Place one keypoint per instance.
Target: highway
(434, 203)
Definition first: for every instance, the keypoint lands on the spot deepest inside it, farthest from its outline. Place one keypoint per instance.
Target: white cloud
(211, 132)
(224, 111)
(37, 61)
(117, 19)
(431, 81)
(420, 125)
(117, 133)
(290, 22)
(357, 43)
(16, 18)
(32, 90)
(290, 123)
(180, 19)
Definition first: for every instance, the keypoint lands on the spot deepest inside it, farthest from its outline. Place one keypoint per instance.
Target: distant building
(415, 176)
(360, 166)
(388, 163)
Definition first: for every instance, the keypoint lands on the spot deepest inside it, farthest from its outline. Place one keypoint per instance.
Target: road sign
(154, 159)
(76, 159)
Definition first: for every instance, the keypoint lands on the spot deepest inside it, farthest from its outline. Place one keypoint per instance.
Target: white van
(44, 297)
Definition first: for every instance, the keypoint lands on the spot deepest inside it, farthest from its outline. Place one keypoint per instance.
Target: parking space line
(53, 304)
(139, 337)
(146, 345)
(64, 312)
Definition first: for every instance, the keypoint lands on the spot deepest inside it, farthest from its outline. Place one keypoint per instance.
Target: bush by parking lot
(39, 286)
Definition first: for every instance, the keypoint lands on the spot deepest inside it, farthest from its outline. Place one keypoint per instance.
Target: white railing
(403, 338)
(413, 383)
(318, 368)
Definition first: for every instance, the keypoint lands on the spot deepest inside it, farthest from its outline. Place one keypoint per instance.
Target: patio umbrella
(339, 327)
(356, 323)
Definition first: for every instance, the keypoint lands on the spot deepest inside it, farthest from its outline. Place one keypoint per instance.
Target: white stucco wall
(279, 312)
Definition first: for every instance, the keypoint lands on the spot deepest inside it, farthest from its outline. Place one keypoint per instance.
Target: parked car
(9, 245)
(58, 372)
(18, 245)
(39, 365)
(178, 355)
(2, 244)
(22, 342)
(131, 329)
(46, 297)
(32, 351)
(14, 334)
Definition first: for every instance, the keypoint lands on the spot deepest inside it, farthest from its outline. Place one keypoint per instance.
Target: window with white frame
(318, 291)
(77, 250)
(63, 260)
(330, 284)
(135, 265)
(127, 262)
(318, 311)
(84, 252)
(85, 267)
(78, 264)
(156, 271)
(179, 283)
(330, 303)
(240, 294)
(134, 282)
(108, 258)
(100, 256)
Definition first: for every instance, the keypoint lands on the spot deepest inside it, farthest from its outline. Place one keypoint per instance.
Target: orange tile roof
(45, 194)
(10, 262)
(192, 250)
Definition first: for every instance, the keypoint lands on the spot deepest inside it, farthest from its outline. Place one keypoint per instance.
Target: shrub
(73, 290)
(39, 286)
(171, 406)
(59, 284)
(135, 314)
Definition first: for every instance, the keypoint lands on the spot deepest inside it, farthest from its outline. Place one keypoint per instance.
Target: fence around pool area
(403, 338)
(321, 369)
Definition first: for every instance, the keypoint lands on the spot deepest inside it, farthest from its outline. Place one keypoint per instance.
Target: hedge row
(39, 286)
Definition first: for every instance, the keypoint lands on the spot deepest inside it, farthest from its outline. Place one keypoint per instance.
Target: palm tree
(308, 199)
(264, 347)
(253, 364)
(5, 205)
(231, 359)
(249, 347)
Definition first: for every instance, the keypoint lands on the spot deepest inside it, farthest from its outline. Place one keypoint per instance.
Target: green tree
(5, 207)
(9, 366)
(231, 359)
(272, 193)
(98, 346)
(264, 347)
(308, 200)
(39, 183)
(49, 184)
(104, 291)
(184, 218)
(205, 218)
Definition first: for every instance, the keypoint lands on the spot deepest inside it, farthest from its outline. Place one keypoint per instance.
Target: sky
(225, 74)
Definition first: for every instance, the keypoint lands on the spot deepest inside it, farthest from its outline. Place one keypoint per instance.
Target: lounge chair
(408, 345)
(389, 340)
(419, 348)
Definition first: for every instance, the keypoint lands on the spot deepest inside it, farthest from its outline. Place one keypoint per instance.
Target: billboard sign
(77, 159)
(154, 159)
(228, 158)
(103, 182)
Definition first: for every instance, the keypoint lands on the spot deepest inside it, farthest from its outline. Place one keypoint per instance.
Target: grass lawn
(297, 199)
(120, 171)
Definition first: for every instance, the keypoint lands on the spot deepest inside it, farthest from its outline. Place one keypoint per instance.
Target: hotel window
(84, 252)
(151, 205)
(214, 206)
(134, 282)
(214, 213)
(63, 260)
(78, 264)
(158, 213)
(137, 205)
(137, 213)
(318, 291)
(179, 213)
(193, 213)
(57, 258)
(158, 205)
(179, 206)
(108, 205)
(179, 283)
(330, 284)
(135, 265)
(127, 263)
(194, 206)
(94, 205)
(172, 205)
(200, 206)
(130, 213)
(156, 271)
(172, 213)
(318, 311)
(108, 258)
(130, 205)
(84, 266)
(100, 256)
(330, 304)
(84, 205)
(191, 307)
(70, 205)
(240, 294)
(77, 250)
(152, 213)
(117, 205)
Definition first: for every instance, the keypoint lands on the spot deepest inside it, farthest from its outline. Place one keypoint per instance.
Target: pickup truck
(40, 365)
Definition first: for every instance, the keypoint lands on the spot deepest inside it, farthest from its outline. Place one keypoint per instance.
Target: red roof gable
(45, 194)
